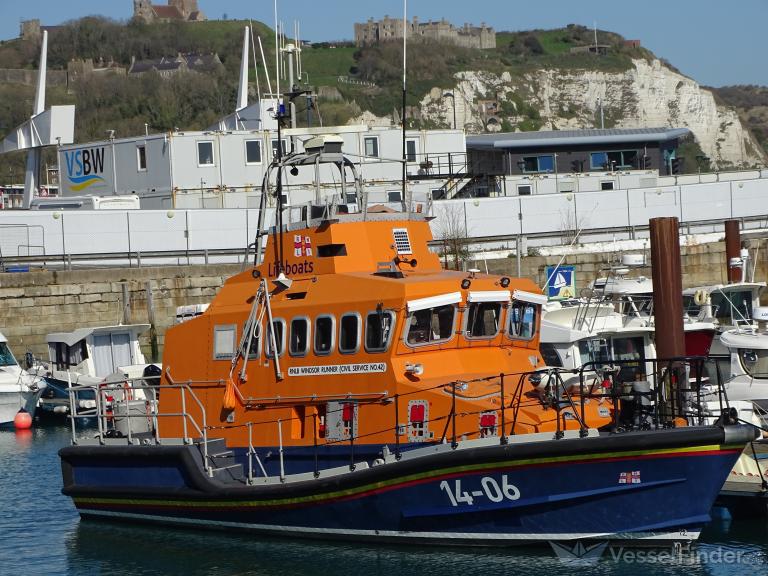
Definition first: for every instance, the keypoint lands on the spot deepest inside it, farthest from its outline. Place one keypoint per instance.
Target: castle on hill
(176, 10)
(468, 36)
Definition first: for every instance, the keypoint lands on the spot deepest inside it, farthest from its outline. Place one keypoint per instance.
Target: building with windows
(225, 168)
(525, 163)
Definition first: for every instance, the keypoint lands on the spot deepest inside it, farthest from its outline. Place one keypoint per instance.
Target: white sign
(337, 369)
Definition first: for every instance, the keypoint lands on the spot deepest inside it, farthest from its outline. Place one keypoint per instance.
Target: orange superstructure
(364, 316)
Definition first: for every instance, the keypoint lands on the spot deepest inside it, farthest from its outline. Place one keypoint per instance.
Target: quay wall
(33, 304)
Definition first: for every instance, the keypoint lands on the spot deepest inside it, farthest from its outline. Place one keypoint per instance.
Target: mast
(407, 204)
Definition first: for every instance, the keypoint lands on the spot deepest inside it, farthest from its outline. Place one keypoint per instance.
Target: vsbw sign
(84, 168)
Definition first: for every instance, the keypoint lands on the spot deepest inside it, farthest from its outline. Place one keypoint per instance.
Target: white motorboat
(86, 357)
(18, 388)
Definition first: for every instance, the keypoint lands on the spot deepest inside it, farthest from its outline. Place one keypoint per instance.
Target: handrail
(670, 396)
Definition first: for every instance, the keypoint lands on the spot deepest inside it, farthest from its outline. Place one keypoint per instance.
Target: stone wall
(701, 265)
(34, 304)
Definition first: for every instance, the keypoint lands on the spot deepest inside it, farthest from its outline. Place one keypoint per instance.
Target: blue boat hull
(658, 485)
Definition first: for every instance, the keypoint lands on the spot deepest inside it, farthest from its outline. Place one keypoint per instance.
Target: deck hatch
(402, 240)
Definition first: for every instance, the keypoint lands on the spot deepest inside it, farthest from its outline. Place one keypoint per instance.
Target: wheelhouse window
(253, 152)
(549, 355)
(378, 330)
(732, 309)
(224, 341)
(431, 325)
(754, 362)
(141, 158)
(278, 326)
(594, 350)
(483, 319)
(522, 320)
(299, 345)
(631, 353)
(205, 153)
(324, 329)
(6, 358)
(349, 333)
(371, 146)
(544, 163)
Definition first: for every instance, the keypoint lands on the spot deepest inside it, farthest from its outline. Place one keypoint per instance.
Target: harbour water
(40, 533)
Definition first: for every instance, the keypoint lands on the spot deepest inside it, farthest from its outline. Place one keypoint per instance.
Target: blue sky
(715, 42)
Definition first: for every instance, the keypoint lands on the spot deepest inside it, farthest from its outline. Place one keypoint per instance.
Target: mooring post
(732, 250)
(668, 300)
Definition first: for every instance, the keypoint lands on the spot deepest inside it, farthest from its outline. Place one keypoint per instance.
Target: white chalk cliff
(647, 95)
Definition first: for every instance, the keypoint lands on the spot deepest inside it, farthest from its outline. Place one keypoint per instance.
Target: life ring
(700, 297)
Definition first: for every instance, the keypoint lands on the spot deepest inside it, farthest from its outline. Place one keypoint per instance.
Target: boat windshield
(6, 358)
(522, 320)
(754, 362)
(732, 308)
(431, 325)
(483, 319)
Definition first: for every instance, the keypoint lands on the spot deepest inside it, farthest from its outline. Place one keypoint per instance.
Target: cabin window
(371, 146)
(141, 158)
(522, 320)
(278, 326)
(754, 362)
(77, 353)
(349, 333)
(205, 153)
(253, 152)
(606, 185)
(224, 342)
(430, 325)
(483, 319)
(545, 163)
(299, 337)
(594, 350)
(378, 330)
(254, 350)
(524, 190)
(550, 356)
(324, 329)
(632, 353)
(6, 358)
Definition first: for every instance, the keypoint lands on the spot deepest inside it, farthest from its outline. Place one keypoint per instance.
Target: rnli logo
(85, 168)
(302, 246)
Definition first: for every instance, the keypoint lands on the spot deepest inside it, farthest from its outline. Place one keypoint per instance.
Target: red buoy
(22, 420)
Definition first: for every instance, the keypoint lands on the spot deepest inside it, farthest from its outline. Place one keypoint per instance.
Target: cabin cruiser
(632, 296)
(18, 389)
(346, 386)
(87, 356)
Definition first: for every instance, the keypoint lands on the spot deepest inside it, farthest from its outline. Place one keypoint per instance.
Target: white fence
(543, 219)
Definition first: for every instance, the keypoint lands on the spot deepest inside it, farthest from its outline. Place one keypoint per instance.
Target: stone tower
(142, 10)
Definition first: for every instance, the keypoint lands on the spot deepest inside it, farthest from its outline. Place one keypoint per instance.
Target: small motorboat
(18, 388)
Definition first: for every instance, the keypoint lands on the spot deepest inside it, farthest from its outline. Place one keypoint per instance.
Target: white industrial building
(225, 169)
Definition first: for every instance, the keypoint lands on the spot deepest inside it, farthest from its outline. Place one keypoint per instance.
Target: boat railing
(119, 403)
(675, 392)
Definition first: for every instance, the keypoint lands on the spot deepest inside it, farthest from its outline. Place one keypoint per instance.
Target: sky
(715, 42)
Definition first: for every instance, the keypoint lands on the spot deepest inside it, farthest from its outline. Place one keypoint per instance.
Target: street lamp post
(453, 102)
